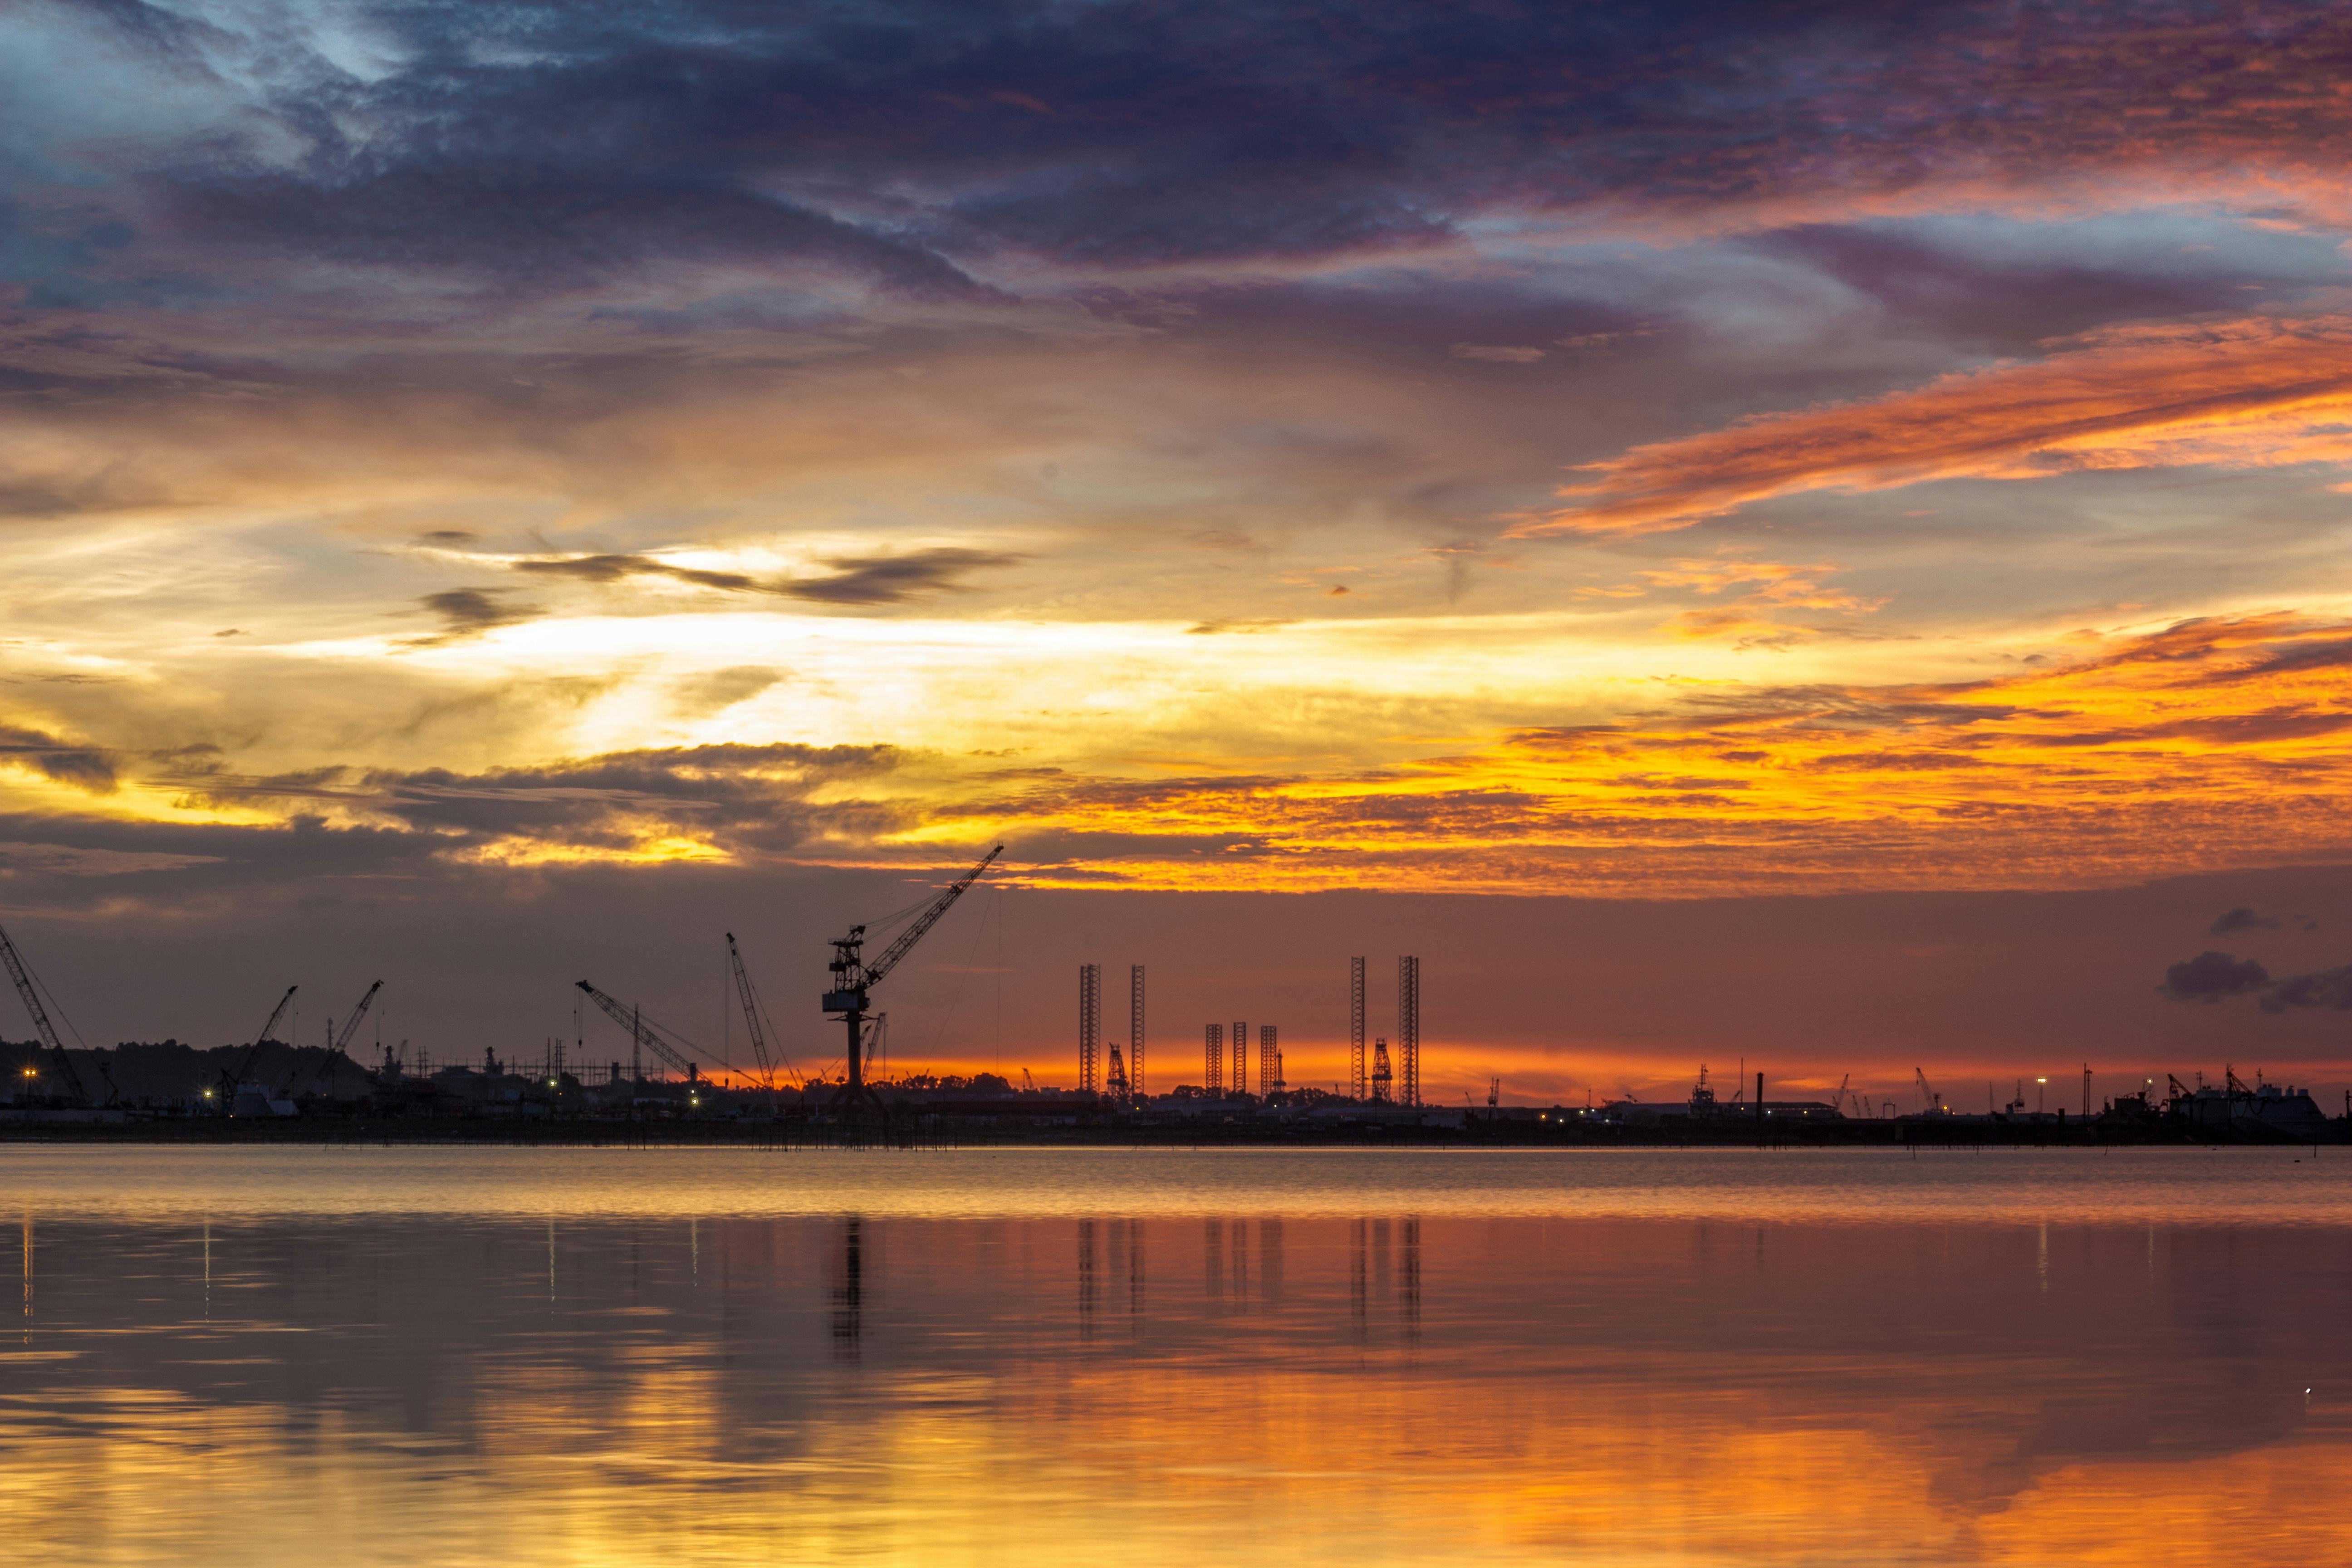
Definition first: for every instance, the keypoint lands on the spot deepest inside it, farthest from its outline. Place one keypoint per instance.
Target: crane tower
(854, 979)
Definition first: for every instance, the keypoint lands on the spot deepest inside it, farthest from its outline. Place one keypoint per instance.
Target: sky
(1808, 532)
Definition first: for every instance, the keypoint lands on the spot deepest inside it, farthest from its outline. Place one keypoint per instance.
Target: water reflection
(849, 1293)
(1405, 1387)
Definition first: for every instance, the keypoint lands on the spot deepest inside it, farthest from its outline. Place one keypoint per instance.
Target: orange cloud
(2210, 745)
(2251, 393)
(1768, 581)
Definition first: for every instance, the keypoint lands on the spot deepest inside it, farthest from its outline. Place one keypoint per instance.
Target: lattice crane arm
(267, 1029)
(930, 917)
(41, 1025)
(629, 1018)
(352, 1023)
(751, 1013)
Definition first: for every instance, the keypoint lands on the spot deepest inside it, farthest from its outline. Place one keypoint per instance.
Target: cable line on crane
(854, 978)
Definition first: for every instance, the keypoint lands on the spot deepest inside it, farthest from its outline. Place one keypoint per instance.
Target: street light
(2041, 1096)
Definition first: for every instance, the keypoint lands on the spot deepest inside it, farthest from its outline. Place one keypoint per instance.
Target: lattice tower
(1135, 1031)
(1356, 1029)
(1089, 1025)
(1408, 1031)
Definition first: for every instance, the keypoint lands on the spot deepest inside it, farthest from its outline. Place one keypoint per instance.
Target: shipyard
(671, 1086)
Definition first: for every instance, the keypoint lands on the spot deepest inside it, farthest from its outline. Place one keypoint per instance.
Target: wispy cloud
(614, 568)
(468, 613)
(893, 579)
(84, 768)
(2257, 392)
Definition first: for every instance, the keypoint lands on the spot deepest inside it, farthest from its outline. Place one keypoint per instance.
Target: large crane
(41, 1025)
(230, 1082)
(853, 977)
(338, 1043)
(643, 1028)
(352, 1023)
(751, 1018)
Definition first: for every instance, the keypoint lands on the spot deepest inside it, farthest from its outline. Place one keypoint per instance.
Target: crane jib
(268, 1028)
(352, 1023)
(41, 1025)
(872, 974)
(635, 1021)
(853, 977)
(750, 1014)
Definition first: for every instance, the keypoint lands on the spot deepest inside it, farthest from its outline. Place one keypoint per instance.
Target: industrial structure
(1135, 1032)
(1387, 1083)
(752, 1021)
(666, 1073)
(1409, 1030)
(1125, 1081)
(51, 1081)
(854, 978)
(70, 1082)
(1356, 1084)
(1089, 1025)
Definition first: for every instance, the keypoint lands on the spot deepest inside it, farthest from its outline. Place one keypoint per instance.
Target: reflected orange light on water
(1465, 1384)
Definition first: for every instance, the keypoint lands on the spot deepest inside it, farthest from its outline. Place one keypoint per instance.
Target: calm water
(1670, 1358)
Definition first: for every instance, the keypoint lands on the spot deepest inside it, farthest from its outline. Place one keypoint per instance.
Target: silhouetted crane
(854, 978)
(41, 1025)
(352, 1023)
(230, 1082)
(752, 1021)
(338, 1043)
(643, 1030)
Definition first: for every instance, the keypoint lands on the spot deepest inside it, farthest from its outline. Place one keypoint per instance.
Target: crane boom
(634, 1021)
(927, 920)
(752, 1014)
(853, 977)
(352, 1023)
(267, 1029)
(41, 1025)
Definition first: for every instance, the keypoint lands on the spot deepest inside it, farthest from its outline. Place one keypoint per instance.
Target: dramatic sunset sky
(1809, 532)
